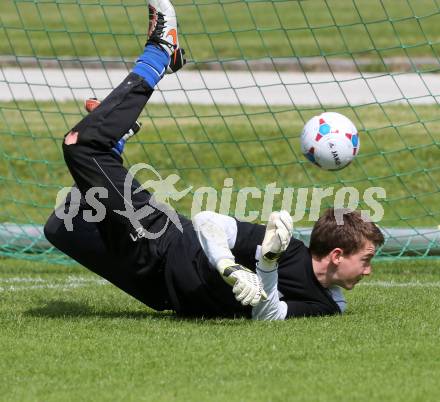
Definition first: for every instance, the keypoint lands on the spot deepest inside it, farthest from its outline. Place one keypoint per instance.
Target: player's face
(352, 268)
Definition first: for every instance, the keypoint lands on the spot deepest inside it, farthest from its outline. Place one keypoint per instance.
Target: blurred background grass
(399, 152)
(226, 29)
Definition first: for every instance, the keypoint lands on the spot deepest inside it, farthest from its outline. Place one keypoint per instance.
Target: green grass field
(67, 336)
(226, 29)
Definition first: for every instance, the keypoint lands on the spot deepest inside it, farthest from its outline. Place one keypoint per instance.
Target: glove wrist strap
(265, 264)
(225, 263)
(271, 256)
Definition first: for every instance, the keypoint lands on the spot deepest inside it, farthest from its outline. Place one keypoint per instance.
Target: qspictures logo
(162, 192)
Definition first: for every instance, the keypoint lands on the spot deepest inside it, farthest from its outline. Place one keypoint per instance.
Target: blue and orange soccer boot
(162, 31)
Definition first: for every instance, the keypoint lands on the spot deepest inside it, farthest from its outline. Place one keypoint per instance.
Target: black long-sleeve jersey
(175, 273)
(196, 288)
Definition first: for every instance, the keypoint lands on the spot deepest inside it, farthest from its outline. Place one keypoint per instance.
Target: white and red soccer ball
(330, 141)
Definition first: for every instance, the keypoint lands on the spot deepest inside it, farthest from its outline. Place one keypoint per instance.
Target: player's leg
(88, 146)
(85, 245)
(92, 103)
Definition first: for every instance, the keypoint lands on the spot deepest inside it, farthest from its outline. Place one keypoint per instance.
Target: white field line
(393, 284)
(69, 279)
(73, 282)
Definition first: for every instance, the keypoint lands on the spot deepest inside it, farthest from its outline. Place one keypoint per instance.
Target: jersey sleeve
(306, 309)
(217, 235)
(272, 308)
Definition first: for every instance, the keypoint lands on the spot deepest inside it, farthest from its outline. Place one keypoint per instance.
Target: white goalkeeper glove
(276, 239)
(246, 285)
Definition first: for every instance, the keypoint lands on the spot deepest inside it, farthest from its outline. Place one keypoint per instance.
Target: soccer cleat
(177, 60)
(92, 103)
(162, 31)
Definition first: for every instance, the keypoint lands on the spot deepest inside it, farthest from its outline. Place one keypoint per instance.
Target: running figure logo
(163, 191)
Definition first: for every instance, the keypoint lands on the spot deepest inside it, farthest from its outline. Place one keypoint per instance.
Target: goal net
(232, 118)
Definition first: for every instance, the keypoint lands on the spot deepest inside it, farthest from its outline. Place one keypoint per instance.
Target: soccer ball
(330, 141)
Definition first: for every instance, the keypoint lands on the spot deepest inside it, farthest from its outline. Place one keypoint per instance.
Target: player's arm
(300, 308)
(217, 235)
(276, 239)
(297, 308)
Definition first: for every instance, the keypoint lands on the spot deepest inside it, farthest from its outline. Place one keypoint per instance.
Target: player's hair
(350, 236)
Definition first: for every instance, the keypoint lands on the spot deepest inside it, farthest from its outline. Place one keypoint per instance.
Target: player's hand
(277, 237)
(246, 285)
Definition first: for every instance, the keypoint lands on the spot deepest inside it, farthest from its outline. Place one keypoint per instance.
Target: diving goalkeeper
(214, 265)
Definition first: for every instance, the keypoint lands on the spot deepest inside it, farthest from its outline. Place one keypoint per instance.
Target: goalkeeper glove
(246, 285)
(276, 239)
